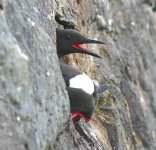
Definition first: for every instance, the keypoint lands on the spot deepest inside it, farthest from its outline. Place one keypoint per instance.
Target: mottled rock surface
(34, 105)
(33, 101)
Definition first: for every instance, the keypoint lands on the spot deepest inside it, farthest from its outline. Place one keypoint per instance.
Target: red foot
(76, 115)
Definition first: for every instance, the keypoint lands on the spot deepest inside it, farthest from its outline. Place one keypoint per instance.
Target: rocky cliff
(34, 105)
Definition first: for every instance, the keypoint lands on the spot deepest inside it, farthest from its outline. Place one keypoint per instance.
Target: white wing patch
(83, 82)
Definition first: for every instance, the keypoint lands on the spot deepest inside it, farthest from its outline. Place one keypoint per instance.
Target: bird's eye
(68, 37)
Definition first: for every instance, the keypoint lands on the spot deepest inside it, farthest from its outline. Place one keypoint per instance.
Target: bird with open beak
(81, 89)
(70, 41)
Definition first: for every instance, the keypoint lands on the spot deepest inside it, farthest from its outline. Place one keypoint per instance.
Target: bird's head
(70, 41)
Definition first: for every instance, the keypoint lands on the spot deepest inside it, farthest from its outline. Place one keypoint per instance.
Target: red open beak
(86, 51)
(77, 45)
(88, 41)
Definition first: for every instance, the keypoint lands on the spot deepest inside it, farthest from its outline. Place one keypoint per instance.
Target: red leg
(76, 115)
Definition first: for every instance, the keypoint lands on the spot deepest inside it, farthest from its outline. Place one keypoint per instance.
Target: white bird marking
(83, 82)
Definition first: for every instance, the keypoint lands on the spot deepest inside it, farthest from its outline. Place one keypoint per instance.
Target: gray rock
(129, 63)
(34, 104)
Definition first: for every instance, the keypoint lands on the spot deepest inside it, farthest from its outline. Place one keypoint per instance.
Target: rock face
(34, 104)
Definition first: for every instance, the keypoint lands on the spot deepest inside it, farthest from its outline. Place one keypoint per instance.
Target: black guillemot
(82, 90)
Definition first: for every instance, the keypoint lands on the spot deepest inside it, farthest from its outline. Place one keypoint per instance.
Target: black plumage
(80, 99)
